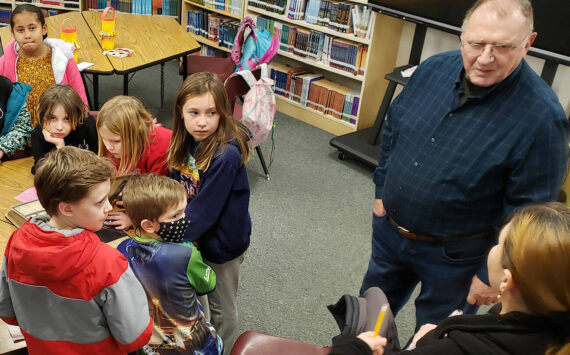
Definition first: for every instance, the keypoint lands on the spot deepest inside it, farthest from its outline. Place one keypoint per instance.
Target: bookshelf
(52, 6)
(212, 22)
(141, 7)
(382, 49)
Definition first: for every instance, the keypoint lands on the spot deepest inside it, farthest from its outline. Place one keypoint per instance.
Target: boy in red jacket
(69, 292)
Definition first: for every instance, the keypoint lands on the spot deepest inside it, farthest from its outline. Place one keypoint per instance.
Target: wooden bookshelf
(381, 59)
(213, 44)
(188, 5)
(300, 23)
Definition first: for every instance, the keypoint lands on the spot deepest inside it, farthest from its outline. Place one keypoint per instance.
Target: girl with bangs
(132, 141)
(207, 155)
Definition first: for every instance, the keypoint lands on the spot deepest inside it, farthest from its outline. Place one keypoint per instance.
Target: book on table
(20, 213)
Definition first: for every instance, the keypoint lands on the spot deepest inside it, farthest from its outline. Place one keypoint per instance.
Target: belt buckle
(403, 229)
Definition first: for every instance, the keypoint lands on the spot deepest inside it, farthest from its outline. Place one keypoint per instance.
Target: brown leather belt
(431, 239)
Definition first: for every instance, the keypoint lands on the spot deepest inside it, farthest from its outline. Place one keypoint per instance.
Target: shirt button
(450, 115)
(432, 140)
(416, 163)
(400, 188)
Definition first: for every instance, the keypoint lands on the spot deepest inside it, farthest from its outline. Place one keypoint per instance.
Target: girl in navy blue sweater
(207, 154)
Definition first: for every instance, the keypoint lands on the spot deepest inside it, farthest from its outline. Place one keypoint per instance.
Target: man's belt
(431, 239)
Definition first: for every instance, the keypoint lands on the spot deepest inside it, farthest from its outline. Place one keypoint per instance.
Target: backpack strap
(239, 39)
(247, 75)
(264, 71)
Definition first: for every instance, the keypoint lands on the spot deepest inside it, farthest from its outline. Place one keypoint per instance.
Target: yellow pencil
(381, 315)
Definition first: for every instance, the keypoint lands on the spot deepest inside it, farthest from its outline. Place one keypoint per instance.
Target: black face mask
(173, 231)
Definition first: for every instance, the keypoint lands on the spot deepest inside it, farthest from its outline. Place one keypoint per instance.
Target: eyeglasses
(476, 48)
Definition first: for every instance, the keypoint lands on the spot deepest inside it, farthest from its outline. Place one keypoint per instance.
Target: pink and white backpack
(258, 110)
(252, 49)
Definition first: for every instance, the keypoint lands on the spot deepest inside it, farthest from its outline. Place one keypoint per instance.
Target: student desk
(90, 50)
(154, 39)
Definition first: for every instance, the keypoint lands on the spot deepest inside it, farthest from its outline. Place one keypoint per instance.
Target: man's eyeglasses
(476, 48)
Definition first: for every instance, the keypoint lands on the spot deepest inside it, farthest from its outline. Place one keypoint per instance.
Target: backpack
(258, 108)
(355, 315)
(258, 47)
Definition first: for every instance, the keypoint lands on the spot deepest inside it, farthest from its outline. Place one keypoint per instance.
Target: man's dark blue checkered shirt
(454, 170)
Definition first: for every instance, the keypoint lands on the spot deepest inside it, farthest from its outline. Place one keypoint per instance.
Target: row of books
(314, 91)
(144, 7)
(213, 27)
(231, 6)
(318, 46)
(5, 15)
(71, 4)
(343, 17)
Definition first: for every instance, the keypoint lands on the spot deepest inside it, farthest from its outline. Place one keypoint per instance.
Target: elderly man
(474, 135)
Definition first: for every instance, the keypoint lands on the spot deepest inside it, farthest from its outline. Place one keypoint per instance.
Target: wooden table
(90, 50)
(155, 40)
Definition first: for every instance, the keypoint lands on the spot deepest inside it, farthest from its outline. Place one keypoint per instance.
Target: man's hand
(481, 294)
(379, 210)
(58, 142)
(376, 343)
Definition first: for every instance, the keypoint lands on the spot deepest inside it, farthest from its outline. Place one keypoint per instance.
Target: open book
(20, 213)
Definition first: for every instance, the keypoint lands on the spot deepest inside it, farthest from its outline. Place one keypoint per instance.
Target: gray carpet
(311, 223)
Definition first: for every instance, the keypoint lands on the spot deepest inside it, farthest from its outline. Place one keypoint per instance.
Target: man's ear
(65, 209)
(507, 283)
(149, 226)
(531, 39)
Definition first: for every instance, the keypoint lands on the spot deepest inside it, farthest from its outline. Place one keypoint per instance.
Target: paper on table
(84, 65)
(28, 195)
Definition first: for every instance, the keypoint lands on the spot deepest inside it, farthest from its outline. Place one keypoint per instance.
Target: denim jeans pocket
(465, 252)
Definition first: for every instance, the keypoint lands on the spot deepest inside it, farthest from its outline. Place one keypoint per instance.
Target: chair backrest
(256, 343)
(237, 87)
(224, 67)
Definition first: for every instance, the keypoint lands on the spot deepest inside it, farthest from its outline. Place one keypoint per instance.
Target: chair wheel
(341, 155)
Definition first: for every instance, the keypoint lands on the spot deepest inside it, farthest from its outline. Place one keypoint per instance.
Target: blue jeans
(445, 270)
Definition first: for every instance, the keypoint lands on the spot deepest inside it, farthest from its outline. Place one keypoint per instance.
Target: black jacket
(513, 333)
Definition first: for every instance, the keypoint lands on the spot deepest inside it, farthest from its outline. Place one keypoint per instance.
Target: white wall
(439, 41)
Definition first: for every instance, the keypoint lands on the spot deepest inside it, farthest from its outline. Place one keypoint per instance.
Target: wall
(439, 41)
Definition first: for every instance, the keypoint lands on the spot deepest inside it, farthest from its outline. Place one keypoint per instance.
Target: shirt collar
(506, 82)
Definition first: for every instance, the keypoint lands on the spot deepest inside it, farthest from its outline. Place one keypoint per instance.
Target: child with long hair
(207, 155)
(63, 121)
(135, 144)
(33, 59)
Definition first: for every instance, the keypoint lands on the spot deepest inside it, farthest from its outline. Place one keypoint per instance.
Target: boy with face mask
(172, 274)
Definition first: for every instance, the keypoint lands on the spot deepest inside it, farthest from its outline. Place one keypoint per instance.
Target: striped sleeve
(126, 309)
(6, 308)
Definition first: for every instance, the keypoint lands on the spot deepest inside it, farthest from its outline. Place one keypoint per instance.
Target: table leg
(89, 103)
(96, 92)
(126, 84)
(184, 67)
(162, 86)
